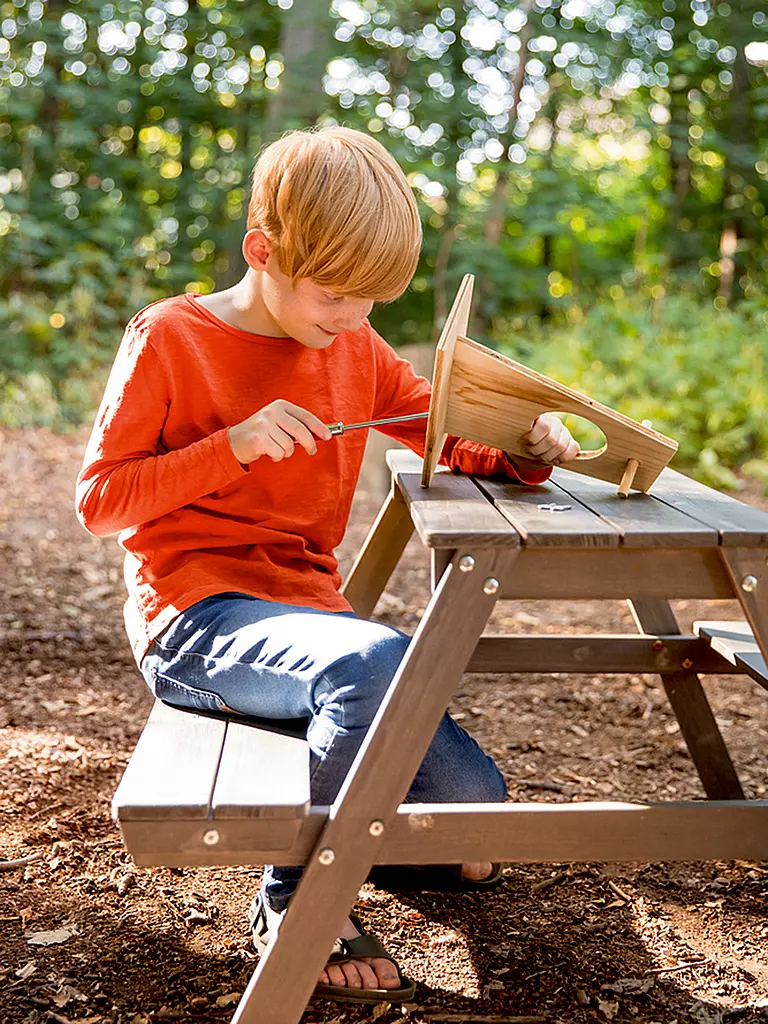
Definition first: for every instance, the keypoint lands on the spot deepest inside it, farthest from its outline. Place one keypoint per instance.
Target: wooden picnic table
(572, 538)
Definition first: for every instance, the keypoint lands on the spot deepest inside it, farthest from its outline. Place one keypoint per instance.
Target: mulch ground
(88, 937)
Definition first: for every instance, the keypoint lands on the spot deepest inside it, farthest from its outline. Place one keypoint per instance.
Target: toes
(386, 973)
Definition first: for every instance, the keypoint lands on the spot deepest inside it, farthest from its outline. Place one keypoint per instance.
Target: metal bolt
(376, 828)
(491, 586)
(326, 856)
(211, 837)
(466, 563)
(686, 663)
(749, 583)
(658, 644)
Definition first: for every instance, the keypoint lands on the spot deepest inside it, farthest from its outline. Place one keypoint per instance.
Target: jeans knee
(355, 686)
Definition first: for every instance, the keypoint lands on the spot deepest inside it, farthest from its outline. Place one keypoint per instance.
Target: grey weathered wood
(640, 519)
(594, 653)
(451, 512)
(517, 832)
(739, 525)
(379, 555)
(172, 769)
(689, 702)
(735, 642)
(748, 569)
(398, 738)
(554, 574)
(525, 508)
(261, 775)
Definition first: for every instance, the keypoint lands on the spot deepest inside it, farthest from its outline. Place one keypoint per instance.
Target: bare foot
(367, 972)
(478, 870)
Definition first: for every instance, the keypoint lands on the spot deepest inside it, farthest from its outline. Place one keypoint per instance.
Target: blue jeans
(271, 660)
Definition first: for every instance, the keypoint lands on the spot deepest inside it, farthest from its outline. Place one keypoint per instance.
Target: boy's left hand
(549, 440)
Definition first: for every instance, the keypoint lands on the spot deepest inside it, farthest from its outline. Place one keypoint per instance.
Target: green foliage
(692, 372)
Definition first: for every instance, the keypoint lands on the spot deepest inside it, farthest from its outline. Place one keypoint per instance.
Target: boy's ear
(256, 249)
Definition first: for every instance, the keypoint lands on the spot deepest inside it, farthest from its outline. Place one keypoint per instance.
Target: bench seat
(735, 642)
(189, 767)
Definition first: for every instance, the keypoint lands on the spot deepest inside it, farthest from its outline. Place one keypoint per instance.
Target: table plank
(641, 520)
(173, 767)
(739, 525)
(574, 526)
(451, 512)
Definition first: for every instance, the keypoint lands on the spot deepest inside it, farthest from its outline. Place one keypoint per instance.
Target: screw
(491, 586)
(686, 663)
(749, 583)
(658, 644)
(466, 563)
(211, 837)
(326, 856)
(376, 828)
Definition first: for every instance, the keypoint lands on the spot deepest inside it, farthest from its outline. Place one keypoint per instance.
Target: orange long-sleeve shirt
(192, 519)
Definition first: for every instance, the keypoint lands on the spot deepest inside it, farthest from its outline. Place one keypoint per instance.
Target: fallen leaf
(228, 998)
(380, 1010)
(608, 1008)
(65, 994)
(51, 938)
(29, 968)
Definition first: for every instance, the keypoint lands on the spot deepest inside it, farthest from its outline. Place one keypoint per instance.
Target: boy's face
(306, 311)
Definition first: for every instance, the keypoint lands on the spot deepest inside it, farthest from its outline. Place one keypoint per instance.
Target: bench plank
(735, 642)
(574, 527)
(640, 519)
(451, 512)
(261, 775)
(173, 767)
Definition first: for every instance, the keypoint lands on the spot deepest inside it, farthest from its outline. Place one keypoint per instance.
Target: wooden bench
(735, 642)
(210, 772)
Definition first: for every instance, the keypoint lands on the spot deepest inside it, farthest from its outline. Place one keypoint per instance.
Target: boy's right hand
(274, 431)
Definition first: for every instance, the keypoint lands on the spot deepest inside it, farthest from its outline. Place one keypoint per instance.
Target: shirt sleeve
(127, 477)
(400, 391)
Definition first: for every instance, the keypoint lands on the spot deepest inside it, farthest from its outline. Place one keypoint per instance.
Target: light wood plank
(735, 642)
(261, 775)
(529, 510)
(172, 770)
(739, 525)
(640, 520)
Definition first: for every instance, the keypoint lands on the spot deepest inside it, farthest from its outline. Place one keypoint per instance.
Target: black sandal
(431, 878)
(263, 922)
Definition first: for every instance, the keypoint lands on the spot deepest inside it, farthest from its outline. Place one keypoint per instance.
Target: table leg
(377, 781)
(748, 568)
(689, 702)
(379, 554)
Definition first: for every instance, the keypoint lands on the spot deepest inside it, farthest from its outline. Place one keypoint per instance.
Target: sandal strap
(364, 945)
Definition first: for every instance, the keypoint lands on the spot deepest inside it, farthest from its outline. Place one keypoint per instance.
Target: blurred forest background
(600, 166)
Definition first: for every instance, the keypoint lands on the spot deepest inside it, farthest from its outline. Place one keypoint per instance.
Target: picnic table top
(572, 511)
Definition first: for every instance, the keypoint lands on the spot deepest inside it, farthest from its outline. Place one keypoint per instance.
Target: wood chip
(11, 865)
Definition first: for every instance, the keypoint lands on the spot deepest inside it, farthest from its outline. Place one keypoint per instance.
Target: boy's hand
(549, 440)
(274, 431)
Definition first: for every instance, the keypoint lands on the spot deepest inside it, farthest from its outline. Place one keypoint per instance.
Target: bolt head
(211, 837)
(491, 586)
(376, 828)
(686, 663)
(326, 856)
(749, 584)
(658, 645)
(466, 563)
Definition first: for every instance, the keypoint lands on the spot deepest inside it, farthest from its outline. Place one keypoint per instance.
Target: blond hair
(338, 209)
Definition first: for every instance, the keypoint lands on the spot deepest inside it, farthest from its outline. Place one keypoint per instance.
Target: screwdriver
(341, 428)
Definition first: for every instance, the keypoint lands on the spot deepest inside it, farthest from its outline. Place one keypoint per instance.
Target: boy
(211, 457)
